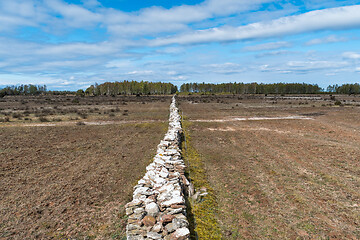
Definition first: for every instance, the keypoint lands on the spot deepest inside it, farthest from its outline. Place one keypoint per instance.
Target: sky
(71, 44)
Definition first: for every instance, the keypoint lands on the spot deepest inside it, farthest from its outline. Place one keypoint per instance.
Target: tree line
(158, 88)
(131, 87)
(251, 88)
(344, 89)
(23, 90)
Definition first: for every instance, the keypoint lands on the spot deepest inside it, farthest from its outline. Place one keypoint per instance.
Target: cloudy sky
(71, 44)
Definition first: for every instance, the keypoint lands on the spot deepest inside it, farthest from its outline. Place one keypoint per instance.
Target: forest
(251, 88)
(271, 88)
(23, 90)
(160, 88)
(131, 87)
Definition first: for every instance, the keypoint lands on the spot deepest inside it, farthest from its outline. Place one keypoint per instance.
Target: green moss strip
(203, 213)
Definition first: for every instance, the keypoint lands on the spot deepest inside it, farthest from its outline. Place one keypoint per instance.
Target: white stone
(159, 161)
(157, 227)
(164, 196)
(152, 209)
(154, 235)
(142, 191)
(175, 200)
(181, 233)
(167, 188)
(164, 173)
(138, 210)
(160, 180)
(141, 181)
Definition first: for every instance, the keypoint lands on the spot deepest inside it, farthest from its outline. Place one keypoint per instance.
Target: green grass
(206, 225)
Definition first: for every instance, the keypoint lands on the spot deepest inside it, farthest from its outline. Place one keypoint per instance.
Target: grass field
(280, 167)
(280, 178)
(72, 181)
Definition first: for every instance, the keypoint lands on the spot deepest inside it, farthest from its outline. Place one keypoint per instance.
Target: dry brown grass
(72, 181)
(35, 109)
(281, 179)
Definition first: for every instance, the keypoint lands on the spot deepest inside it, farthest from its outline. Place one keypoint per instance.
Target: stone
(139, 210)
(180, 234)
(174, 175)
(135, 222)
(160, 180)
(157, 228)
(129, 211)
(153, 235)
(172, 211)
(164, 196)
(159, 161)
(149, 221)
(164, 173)
(142, 191)
(131, 227)
(149, 200)
(133, 203)
(166, 218)
(152, 209)
(177, 206)
(180, 223)
(166, 188)
(170, 227)
(180, 216)
(158, 208)
(174, 200)
(130, 237)
(141, 181)
(138, 216)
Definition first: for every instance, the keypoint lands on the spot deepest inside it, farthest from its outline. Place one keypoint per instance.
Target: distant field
(72, 181)
(60, 110)
(280, 178)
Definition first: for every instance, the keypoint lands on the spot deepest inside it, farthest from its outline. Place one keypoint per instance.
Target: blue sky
(74, 43)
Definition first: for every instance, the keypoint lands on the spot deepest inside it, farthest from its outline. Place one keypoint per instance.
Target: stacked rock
(158, 209)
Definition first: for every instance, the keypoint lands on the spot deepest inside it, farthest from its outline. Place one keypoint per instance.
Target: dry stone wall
(158, 209)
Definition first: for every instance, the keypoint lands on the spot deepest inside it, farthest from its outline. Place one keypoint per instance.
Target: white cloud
(159, 20)
(328, 39)
(143, 72)
(351, 55)
(327, 19)
(78, 49)
(179, 78)
(91, 3)
(225, 68)
(267, 46)
(74, 15)
(307, 66)
(274, 53)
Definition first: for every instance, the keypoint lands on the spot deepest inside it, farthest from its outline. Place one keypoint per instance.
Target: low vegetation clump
(204, 223)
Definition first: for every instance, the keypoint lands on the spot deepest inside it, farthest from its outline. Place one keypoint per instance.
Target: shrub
(17, 115)
(5, 119)
(338, 103)
(43, 119)
(76, 100)
(82, 115)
